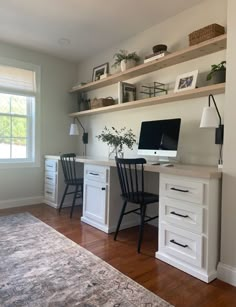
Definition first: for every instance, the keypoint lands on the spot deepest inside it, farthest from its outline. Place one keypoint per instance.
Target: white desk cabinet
(102, 202)
(189, 224)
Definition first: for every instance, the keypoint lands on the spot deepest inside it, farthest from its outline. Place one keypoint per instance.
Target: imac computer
(159, 138)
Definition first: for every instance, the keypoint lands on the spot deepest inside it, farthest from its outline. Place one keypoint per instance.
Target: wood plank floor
(173, 285)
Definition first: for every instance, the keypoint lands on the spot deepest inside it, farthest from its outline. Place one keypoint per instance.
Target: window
(19, 93)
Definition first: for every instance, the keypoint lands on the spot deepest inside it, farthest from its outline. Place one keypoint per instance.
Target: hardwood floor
(173, 285)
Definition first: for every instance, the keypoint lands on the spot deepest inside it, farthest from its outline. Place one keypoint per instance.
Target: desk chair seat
(131, 178)
(71, 179)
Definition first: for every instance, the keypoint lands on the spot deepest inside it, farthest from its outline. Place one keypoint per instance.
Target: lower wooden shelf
(173, 97)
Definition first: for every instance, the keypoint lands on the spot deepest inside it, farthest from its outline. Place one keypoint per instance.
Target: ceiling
(76, 29)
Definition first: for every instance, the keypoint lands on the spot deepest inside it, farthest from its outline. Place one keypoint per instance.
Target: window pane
(4, 103)
(19, 127)
(5, 126)
(19, 148)
(18, 105)
(5, 148)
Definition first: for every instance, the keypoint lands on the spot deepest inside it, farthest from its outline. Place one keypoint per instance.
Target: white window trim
(36, 140)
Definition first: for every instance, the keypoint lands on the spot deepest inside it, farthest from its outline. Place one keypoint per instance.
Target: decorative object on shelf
(153, 91)
(100, 70)
(83, 102)
(217, 73)
(155, 56)
(79, 85)
(210, 120)
(75, 131)
(205, 33)
(104, 76)
(186, 81)
(116, 139)
(126, 92)
(125, 60)
(159, 48)
(101, 102)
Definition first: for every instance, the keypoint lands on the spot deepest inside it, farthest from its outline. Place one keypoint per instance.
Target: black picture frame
(100, 70)
(126, 92)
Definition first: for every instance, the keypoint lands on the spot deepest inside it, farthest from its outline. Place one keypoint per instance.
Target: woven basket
(205, 33)
(101, 102)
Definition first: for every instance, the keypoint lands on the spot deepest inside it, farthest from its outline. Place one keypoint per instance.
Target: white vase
(127, 64)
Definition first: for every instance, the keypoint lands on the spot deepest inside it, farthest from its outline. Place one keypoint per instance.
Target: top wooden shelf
(213, 45)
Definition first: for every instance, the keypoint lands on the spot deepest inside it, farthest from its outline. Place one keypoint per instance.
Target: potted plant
(125, 60)
(116, 139)
(217, 73)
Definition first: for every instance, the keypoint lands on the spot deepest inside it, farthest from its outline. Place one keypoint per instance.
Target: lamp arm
(209, 104)
(76, 118)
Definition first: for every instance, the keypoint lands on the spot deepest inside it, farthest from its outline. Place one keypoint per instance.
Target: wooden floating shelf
(173, 97)
(210, 46)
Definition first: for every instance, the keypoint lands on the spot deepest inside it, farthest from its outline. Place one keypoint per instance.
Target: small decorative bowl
(159, 48)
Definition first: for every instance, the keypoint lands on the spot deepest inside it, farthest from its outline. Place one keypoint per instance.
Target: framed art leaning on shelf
(99, 70)
(186, 81)
(126, 92)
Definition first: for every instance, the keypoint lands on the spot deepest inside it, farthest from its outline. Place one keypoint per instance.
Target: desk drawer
(181, 244)
(50, 192)
(51, 165)
(50, 178)
(183, 189)
(183, 214)
(96, 173)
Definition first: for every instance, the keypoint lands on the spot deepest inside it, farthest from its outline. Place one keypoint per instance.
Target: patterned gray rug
(41, 267)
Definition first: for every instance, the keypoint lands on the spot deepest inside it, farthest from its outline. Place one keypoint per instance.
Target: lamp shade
(74, 129)
(209, 118)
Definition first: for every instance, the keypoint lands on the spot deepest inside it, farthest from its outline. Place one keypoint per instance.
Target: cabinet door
(95, 199)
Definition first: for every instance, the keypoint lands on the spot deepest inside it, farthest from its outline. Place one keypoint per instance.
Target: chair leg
(120, 219)
(143, 212)
(63, 197)
(74, 199)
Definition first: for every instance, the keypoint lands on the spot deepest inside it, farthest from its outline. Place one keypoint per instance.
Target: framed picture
(126, 92)
(186, 81)
(99, 70)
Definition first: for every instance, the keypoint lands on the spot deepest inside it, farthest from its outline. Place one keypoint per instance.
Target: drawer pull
(49, 178)
(182, 245)
(103, 189)
(178, 214)
(179, 190)
(93, 174)
(49, 165)
(50, 193)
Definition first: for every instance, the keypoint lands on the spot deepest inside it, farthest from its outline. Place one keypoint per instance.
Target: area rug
(41, 267)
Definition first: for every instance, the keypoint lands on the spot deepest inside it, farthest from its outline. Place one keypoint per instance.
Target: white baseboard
(19, 202)
(226, 273)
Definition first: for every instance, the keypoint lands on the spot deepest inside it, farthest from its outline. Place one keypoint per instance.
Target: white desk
(189, 210)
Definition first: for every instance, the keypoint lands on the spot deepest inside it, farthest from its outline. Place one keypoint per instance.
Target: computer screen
(159, 137)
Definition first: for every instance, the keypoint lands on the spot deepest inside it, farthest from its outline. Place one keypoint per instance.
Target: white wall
(196, 145)
(25, 185)
(227, 267)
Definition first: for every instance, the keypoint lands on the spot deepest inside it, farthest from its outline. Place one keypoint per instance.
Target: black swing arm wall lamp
(75, 131)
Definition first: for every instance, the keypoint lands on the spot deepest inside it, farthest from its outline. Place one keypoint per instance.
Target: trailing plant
(117, 138)
(214, 68)
(124, 55)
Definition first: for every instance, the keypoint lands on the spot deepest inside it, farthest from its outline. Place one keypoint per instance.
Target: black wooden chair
(70, 179)
(131, 177)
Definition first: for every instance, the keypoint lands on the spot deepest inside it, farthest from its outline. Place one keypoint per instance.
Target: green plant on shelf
(215, 68)
(125, 55)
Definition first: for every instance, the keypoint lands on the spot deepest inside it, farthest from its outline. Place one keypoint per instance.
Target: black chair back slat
(131, 178)
(68, 167)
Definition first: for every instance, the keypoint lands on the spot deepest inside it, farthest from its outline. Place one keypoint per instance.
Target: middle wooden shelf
(173, 97)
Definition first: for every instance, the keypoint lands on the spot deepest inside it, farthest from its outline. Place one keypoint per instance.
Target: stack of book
(155, 56)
